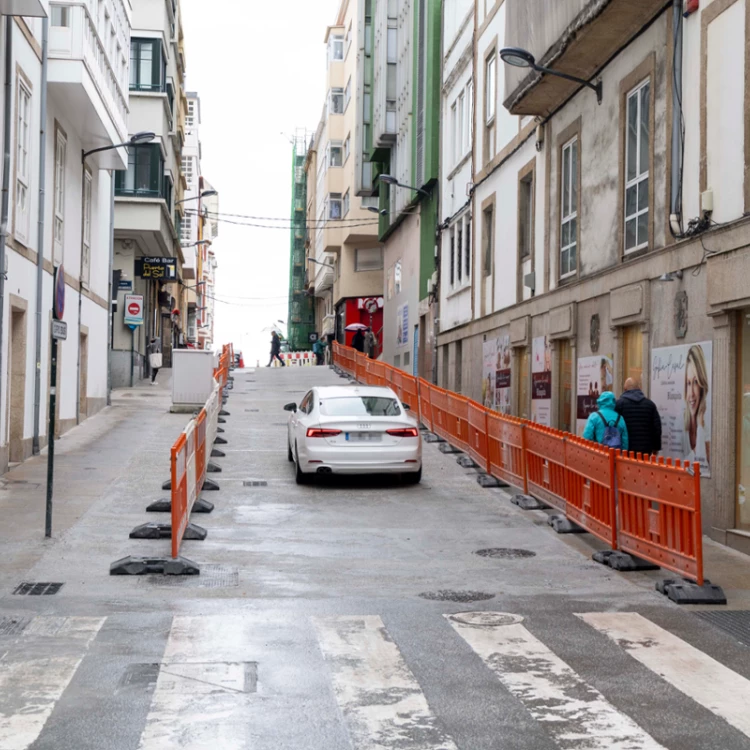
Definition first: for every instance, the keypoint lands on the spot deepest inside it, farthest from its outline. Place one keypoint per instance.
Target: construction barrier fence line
(646, 506)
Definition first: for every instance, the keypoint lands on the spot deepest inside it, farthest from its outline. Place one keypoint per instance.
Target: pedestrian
(605, 426)
(318, 349)
(275, 349)
(371, 343)
(641, 418)
(358, 340)
(154, 358)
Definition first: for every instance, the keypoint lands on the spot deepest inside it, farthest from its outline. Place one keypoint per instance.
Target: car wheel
(414, 478)
(299, 476)
(289, 453)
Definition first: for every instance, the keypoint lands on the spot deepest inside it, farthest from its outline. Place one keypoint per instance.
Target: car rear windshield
(360, 406)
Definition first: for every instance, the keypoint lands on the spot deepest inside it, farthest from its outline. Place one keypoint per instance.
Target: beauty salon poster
(496, 374)
(681, 388)
(541, 381)
(595, 375)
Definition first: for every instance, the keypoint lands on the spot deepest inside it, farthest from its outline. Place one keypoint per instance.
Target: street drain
(37, 589)
(255, 483)
(211, 577)
(505, 553)
(446, 595)
(13, 625)
(252, 409)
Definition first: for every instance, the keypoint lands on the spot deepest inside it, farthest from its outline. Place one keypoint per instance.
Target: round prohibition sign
(134, 308)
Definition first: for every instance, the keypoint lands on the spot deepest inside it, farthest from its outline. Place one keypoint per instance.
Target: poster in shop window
(595, 375)
(489, 355)
(681, 386)
(541, 381)
(496, 374)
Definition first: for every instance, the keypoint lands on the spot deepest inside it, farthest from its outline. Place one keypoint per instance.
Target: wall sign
(595, 375)
(541, 381)
(164, 269)
(496, 381)
(133, 313)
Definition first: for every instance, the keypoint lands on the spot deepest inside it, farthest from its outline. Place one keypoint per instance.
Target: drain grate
(139, 677)
(736, 623)
(255, 483)
(37, 589)
(505, 553)
(211, 577)
(252, 409)
(13, 625)
(446, 595)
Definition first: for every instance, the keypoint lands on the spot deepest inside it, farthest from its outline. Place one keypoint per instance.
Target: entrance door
(743, 417)
(632, 351)
(523, 383)
(17, 384)
(565, 385)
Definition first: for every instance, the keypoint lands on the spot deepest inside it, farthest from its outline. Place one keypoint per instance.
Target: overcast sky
(260, 70)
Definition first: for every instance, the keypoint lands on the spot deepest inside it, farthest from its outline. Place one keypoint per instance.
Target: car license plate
(363, 437)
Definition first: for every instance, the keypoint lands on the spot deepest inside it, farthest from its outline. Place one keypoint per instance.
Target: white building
(86, 102)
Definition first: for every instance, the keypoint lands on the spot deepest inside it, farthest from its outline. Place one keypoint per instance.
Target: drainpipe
(40, 242)
(112, 290)
(7, 103)
(675, 218)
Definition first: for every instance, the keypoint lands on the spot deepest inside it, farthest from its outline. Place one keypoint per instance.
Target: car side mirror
(406, 406)
(290, 407)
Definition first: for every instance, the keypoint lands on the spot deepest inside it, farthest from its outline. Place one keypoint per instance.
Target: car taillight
(404, 432)
(317, 432)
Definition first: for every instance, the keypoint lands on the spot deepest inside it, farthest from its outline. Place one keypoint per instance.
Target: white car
(353, 429)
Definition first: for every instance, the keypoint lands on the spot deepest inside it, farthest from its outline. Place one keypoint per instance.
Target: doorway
(565, 385)
(524, 376)
(632, 355)
(458, 365)
(17, 382)
(743, 419)
(83, 378)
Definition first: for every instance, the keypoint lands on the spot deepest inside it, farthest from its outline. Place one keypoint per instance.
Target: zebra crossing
(212, 689)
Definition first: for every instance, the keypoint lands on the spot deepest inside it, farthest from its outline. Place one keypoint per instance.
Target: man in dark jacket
(641, 418)
(358, 340)
(275, 349)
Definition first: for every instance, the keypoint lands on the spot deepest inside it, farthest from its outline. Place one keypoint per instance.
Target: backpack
(612, 437)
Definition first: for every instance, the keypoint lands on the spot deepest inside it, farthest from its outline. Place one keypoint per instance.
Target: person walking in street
(154, 358)
(605, 426)
(358, 340)
(641, 418)
(319, 349)
(371, 343)
(275, 350)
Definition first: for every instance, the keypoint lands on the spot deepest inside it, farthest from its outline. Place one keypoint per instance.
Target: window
(452, 256)
(336, 48)
(190, 118)
(467, 248)
(186, 229)
(146, 65)
(370, 201)
(469, 115)
(525, 216)
(569, 213)
(60, 15)
(454, 133)
(348, 40)
(347, 147)
(346, 203)
(144, 178)
(167, 191)
(23, 169)
(188, 170)
(460, 115)
(86, 255)
(459, 248)
(489, 228)
(61, 147)
(336, 102)
(347, 93)
(392, 46)
(490, 88)
(334, 206)
(637, 157)
(368, 259)
(335, 154)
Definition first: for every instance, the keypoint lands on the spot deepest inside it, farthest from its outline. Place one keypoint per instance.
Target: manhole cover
(505, 553)
(139, 677)
(211, 577)
(255, 483)
(736, 623)
(13, 625)
(37, 589)
(486, 619)
(446, 595)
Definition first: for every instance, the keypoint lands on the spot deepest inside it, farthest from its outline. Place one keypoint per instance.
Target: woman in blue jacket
(605, 417)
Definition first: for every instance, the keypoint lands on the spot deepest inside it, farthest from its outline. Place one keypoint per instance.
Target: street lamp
(320, 263)
(197, 244)
(144, 136)
(376, 210)
(391, 180)
(204, 194)
(521, 58)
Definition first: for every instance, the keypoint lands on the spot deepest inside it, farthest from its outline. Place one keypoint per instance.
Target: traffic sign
(133, 310)
(58, 306)
(371, 305)
(59, 329)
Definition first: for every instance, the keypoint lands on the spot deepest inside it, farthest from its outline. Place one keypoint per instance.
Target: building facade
(611, 239)
(59, 209)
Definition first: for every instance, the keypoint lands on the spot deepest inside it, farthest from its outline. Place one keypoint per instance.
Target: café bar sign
(163, 269)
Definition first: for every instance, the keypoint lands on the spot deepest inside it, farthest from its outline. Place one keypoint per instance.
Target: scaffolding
(301, 309)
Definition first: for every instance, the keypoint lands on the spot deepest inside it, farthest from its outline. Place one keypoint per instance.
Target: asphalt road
(345, 615)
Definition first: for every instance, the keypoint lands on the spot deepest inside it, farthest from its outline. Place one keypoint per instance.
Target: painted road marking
(697, 675)
(574, 713)
(30, 687)
(205, 681)
(381, 700)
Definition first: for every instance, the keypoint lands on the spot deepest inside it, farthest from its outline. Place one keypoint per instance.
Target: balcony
(86, 86)
(576, 37)
(22, 8)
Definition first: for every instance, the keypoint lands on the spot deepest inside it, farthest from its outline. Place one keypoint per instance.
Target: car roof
(342, 391)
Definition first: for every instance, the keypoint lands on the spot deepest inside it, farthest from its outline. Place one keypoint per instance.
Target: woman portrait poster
(696, 441)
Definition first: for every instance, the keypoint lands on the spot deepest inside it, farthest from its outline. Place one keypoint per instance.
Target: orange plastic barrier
(506, 449)
(545, 465)
(440, 420)
(590, 492)
(183, 485)
(458, 420)
(425, 404)
(410, 393)
(660, 513)
(360, 367)
(478, 447)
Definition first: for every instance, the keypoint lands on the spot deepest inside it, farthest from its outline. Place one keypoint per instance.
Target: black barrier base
(526, 502)
(682, 591)
(139, 566)
(209, 485)
(219, 441)
(220, 429)
(564, 525)
(486, 480)
(447, 448)
(167, 485)
(216, 453)
(422, 428)
(165, 506)
(221, 420)
(224, 413)
(213, 468)
(622, 561)
(467, 462)
(431, 437)
(164, 531)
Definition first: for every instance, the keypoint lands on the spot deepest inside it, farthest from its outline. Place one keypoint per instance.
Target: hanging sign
(164, 269)
(58, 304)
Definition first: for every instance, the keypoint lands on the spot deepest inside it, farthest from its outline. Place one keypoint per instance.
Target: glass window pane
(572, 257)
(630, 200)
(565, 241)
(573, 231)
(643, 229)
(574, 177)
(632, 137)
(643, 194)
(146, 64)
(564, 262)
(566, 183)
(630, 234)
(645, 106)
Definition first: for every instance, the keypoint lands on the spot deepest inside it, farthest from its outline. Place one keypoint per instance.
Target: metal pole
(132, 354)
(80, 284)
(112, 291)
(51, 439)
